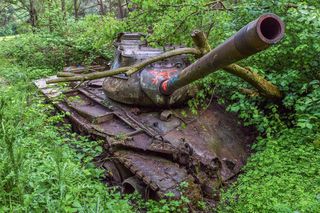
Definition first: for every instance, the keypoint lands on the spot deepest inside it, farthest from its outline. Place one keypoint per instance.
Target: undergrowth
(38, 169)
(44, 166)
(282, 176)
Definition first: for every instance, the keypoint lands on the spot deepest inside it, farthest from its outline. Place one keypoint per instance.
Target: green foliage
(172, 22)
(163, 205)
(38, 50)
(75, 43)
(9, 29)
(283, 177)
(170, 204)
(94, 35)
(307, 107)
(38, 169)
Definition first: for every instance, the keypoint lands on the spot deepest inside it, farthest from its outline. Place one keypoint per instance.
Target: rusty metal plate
(153, 145)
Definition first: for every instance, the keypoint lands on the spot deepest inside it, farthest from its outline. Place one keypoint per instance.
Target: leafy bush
(39, 50)
(172, 22)
(95, 35)
(75, 43)
(10, 29)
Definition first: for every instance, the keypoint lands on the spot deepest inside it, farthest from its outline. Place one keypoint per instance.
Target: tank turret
(166, 83)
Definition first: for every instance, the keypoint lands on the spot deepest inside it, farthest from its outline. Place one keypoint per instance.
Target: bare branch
(127, 70)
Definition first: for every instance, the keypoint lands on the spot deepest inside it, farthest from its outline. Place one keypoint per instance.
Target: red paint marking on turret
(162, 74)
(164, 86)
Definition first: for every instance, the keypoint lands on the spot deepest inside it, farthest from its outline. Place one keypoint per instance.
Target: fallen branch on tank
(264, 87)
(72, 70)
(128, 70)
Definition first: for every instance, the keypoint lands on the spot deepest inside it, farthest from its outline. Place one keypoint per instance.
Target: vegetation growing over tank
(41, 171)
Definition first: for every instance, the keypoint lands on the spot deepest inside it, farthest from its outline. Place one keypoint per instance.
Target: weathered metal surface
(142, 88)
(258, 35)
(151, 77)
(161, 175)
(159, 151)
(167, 83)
(131, 48)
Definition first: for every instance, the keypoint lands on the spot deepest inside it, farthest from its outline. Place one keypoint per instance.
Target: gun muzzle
(258, 35)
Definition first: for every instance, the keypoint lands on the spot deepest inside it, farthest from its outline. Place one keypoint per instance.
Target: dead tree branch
(264, 87)
(127, 70)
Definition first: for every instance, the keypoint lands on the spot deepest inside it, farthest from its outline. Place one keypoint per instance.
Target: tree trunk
(102, 8)
(120, 9)
(63, 9)
(33, 14)
(75, 7)
(50, 18)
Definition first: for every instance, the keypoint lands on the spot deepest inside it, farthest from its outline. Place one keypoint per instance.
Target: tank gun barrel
(256, 36)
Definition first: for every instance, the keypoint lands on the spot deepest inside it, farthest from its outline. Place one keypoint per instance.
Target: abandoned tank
(152, 142)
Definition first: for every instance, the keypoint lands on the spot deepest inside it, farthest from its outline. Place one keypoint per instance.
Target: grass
(38, 169)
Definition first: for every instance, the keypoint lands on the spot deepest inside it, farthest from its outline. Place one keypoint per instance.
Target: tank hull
(154, 151)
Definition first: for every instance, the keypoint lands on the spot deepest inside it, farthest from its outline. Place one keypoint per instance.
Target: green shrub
(38, 50)
(79, 42)
(282, 176)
